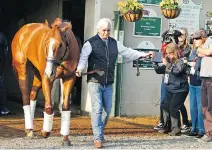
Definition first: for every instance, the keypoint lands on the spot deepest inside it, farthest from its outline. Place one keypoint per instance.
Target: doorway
(74, 11)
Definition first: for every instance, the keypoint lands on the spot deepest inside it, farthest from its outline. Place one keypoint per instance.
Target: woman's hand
(164, 61)
(185, 60)
(192, 64)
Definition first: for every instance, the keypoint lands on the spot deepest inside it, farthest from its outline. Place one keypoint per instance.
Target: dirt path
(121, 133)
(13, 125)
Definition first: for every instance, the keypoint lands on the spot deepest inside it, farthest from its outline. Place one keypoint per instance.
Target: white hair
(104, 22)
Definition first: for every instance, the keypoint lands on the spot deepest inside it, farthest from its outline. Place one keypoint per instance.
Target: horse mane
(59, 23)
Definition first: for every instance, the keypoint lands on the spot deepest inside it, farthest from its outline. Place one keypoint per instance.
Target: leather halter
(65, 55)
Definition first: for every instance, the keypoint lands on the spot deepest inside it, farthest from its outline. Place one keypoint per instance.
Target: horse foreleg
(23, 84)
(33, 95)
(66, 113)
(48, 114)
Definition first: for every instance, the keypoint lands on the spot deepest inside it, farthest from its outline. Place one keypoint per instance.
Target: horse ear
(46, 22)
(57, 22)
(68, 25)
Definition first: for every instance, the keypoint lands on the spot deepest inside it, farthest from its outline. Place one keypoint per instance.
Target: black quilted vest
(102, 57)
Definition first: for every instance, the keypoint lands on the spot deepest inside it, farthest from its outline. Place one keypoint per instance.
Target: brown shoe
(98, 144)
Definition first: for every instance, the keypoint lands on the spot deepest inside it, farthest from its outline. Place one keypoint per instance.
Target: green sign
(153, 2)
(148, 26)
(144, 63)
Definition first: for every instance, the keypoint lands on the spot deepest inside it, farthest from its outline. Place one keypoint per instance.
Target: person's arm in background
(159, 68)
(197, 66)
(179, 67)
(164, 67)
(187, 51)
(201, 55)
(206, 50)
(192, 58)
(202, 52)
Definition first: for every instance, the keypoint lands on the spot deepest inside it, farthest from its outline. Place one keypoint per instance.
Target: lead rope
(101, 69)
(137, 66)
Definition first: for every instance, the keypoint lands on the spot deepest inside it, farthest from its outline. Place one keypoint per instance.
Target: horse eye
(60, 45)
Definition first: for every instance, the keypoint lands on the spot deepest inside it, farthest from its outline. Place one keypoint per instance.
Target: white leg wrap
(65, 122)
(28, 117)
(47, 122)
(33, 106)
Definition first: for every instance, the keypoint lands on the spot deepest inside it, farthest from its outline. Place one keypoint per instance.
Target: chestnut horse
(54, 53)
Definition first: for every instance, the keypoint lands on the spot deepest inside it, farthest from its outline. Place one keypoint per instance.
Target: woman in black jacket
(176, 83)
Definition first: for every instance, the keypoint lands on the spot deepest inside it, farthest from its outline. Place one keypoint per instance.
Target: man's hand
(78, 72)
(148, 55)
(151, 54)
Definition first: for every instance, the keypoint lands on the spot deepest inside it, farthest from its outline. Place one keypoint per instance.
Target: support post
(119, 36)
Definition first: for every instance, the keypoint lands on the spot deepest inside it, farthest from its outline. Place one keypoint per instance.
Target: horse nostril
(52, 73)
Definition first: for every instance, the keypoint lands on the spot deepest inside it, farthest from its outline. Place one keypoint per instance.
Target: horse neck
(74, 50)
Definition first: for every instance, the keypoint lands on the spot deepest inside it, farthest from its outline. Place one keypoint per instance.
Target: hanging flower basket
(170, 8)
(170, 13)
(209, 15)
(131, 10)
(132, 17)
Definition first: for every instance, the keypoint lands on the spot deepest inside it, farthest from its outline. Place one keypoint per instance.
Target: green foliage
(130, 6)
(170, 4)
(209, 13)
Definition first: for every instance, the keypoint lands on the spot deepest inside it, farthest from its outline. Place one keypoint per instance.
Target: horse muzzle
(50, 70)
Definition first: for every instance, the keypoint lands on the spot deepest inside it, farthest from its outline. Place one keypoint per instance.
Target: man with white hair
(100, 52)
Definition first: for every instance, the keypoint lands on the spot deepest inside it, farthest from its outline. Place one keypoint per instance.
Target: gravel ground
(112, 142)
(121, 133)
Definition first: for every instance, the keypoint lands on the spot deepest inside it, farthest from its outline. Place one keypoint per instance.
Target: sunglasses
(106, 30)
(198, 38)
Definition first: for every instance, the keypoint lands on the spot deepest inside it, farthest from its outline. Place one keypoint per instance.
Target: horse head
(56, 49)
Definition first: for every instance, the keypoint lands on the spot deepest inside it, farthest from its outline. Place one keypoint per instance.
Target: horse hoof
(66, 143)
(45, 134)
(30, 134)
